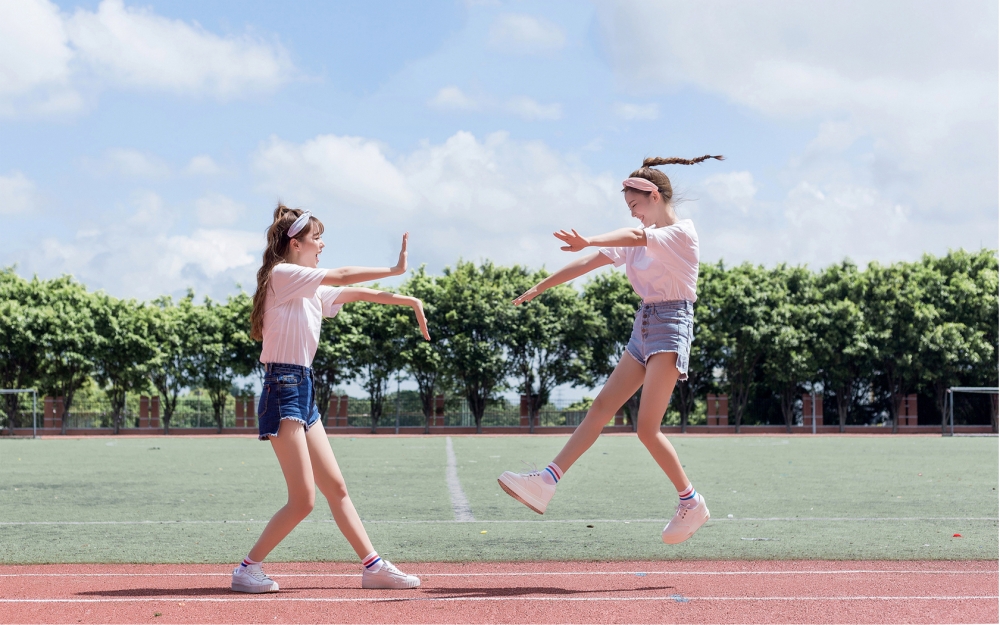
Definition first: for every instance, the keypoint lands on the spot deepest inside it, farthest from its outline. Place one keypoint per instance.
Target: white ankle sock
(372, 562)
(552, 474)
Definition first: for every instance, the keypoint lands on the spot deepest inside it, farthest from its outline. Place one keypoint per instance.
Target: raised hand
(574, 241)
(400, 267)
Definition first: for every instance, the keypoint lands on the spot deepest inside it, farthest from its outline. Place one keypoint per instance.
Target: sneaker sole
(707, 517)
(510, 492)
(254, 590)
(377, 587)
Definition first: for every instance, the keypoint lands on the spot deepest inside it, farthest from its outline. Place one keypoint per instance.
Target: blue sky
(144, 144)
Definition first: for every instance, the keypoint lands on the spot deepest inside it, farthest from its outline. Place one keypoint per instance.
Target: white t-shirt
(294, 308)
(666, 268)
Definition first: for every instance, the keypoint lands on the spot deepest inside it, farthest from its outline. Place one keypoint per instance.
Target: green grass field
(179, 499)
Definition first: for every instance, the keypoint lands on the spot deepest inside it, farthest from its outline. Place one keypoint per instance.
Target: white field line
(666, 598)
(541, 574)
(473, 520)
(459, 504)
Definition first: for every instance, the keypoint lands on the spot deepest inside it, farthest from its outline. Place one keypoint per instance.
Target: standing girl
(661, 261)
(292, 297)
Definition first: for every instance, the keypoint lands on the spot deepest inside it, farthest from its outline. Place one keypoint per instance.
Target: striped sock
(248, 562)
(687, 495)
(552, 474)
(372, 562)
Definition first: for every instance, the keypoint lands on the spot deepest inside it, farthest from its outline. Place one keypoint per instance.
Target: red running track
(535, 592)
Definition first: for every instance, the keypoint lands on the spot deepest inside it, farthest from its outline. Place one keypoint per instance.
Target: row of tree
(865, 336)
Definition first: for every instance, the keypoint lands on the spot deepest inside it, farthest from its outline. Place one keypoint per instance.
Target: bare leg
(624, 381)
(330, 481)
(293, 456)
(661, 376)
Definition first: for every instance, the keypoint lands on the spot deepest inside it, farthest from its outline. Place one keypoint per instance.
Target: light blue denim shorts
(287, 394)
(663, 327)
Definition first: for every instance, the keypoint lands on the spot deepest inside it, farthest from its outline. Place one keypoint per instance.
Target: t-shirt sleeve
(616, 254)
(672, 241)
(290, 281)
(329, 295)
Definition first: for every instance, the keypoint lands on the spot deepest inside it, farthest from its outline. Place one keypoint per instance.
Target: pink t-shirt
(666, 268)
(294, 308)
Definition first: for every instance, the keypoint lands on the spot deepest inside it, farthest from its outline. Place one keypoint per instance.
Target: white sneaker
(388, 577)
(251, 578)
(528, 488)
(686, 521)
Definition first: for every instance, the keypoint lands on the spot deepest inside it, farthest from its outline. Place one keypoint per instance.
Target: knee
(334, 490)
(649, 436)
(302, 506)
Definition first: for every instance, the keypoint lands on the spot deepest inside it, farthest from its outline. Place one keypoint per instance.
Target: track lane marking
(459, 504)
(544, 573)
(670, 598)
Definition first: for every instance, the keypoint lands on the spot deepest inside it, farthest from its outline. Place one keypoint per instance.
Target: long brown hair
(277, 246)
(659, 178)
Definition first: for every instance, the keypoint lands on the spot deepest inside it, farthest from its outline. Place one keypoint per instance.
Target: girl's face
(306, 251)
(646, 207)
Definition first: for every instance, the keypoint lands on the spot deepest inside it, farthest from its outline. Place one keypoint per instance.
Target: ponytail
(659, 178)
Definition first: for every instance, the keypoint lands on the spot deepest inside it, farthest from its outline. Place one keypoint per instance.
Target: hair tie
(641, 184)
(299, 224)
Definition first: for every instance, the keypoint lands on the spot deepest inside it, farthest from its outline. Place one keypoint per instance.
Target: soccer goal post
(983, 390)
(34, 405)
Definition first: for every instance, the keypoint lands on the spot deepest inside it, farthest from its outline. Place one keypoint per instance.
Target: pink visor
(641, 184)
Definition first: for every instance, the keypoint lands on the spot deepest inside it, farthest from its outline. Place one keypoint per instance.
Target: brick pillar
(620, 416)
(49, 413)
(58, 408)
(439, 410)
(342, 411)
(154, 411)
(807, 408)
(718, 410)
(250, 412)
(143, 411)
(907, 411)
(240, 402)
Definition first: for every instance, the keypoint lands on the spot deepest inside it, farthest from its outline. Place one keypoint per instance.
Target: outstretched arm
(352, 275)
(623, 237)
(575, 269)
(360, 294)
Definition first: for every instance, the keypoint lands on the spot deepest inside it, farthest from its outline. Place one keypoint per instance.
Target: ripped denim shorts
(663, 327)
(287, 394)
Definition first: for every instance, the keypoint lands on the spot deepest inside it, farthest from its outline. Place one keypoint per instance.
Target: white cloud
(629, 112)
(128, 162)
(49, 59)
(454, 99)
(17, 194)
(517, 33)
(137, 256)
(734, 188)
(202, 165)
(216, 209)
(903, 95)
(494, 197)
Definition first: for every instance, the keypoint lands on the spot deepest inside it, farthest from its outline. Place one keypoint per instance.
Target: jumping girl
(292, 297)
(661, 261)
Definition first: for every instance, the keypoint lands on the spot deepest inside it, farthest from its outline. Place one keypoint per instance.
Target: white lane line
(527, 521)
(506, 599)
(539, 574)
(460, 505)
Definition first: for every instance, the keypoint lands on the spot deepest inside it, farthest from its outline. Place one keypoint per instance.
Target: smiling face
(305, 250)
(649, 208)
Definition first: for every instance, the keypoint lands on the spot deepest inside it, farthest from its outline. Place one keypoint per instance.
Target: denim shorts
(663, 327)
(287, 394)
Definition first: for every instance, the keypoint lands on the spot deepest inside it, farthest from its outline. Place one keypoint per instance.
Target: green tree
(174, 334)
(842, 346)
(123, 351)
(706, 348)
(376, 351)
(23, 326)
(546, 339)
(474, 312)
(68, 341)
(333, 365)
(422, 359)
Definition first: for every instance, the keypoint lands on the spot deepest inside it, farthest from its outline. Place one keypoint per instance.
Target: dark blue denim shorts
(287, 394)
(663, 327)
